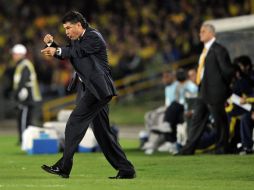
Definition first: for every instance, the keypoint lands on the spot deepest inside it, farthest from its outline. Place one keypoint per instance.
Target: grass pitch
(159, 171)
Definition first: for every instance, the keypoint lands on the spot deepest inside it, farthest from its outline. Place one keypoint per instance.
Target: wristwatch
(58, 51)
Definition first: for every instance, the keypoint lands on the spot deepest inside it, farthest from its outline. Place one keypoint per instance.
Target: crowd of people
(140, 34)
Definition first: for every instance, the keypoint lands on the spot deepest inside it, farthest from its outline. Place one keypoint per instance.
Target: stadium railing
(125, 86)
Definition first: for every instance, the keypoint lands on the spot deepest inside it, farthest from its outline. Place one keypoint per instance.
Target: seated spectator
(245, 64)
(178, 109)
(192, 74)
(174, 114)
(241, 87)
(247, 124)
(154, 118)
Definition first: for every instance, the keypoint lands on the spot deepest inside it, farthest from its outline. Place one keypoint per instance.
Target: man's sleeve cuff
(58, 51)
(49, 44)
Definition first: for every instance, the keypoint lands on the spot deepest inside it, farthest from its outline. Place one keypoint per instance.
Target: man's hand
(243, 100)
(48, 39)
(49, 51)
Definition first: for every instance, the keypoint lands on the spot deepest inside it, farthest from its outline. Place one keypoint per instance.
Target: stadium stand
(142, 35)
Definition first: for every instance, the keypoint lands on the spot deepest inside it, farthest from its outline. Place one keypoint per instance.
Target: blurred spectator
(26, 90)
(176, 111)
(154, 119)
(163, 121)
(192, 75)
(243, 87)
(247, 123)
(246, 128)
(245, 65)
(169, 80)
(151, 27)
(240, 87)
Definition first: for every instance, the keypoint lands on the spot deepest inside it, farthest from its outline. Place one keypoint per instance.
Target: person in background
(26, 90)
(192, 75)
(170, 82)
(246, 127)
(214, 76)
(154, 119)
(241, 87)
(245, 64)
(175, 113)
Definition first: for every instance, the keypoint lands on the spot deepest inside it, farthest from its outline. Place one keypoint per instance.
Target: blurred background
(144, 37)
(149, 42)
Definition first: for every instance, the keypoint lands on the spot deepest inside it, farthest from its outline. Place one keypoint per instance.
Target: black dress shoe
(55, 170)
(123, 175)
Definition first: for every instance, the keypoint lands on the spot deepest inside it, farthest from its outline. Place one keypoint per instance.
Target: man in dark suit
(87, 54)
(214, 76)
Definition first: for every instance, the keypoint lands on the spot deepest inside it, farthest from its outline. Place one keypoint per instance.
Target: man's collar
(81, 36)
(83, 33)
(209, 43)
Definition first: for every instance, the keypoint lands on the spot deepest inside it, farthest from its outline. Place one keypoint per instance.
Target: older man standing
(214, 75)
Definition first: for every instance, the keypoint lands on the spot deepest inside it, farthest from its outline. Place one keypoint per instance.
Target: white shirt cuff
(49, 44)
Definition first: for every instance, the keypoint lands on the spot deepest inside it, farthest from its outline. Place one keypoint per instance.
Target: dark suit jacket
(88, 56)
(218, 73)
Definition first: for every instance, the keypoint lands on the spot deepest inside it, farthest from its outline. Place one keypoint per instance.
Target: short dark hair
(181, 75)
(75, 17)
(244, 60)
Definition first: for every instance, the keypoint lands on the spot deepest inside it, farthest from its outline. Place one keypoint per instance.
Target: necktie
(201, 66)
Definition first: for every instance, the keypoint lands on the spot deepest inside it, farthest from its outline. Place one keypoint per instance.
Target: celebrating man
(87, 54)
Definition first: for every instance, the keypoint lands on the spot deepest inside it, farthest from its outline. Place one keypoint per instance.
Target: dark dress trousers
(214, 90)
(88, 56)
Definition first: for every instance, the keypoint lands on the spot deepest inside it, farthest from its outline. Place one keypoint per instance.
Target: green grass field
(158, 172)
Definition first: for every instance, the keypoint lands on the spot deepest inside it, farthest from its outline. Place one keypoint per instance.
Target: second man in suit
(214, 75)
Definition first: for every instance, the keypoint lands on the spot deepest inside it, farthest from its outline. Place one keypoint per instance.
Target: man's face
(192, 75)
(167, 78)
(205, 35)
(73, 31)
(16, 57)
